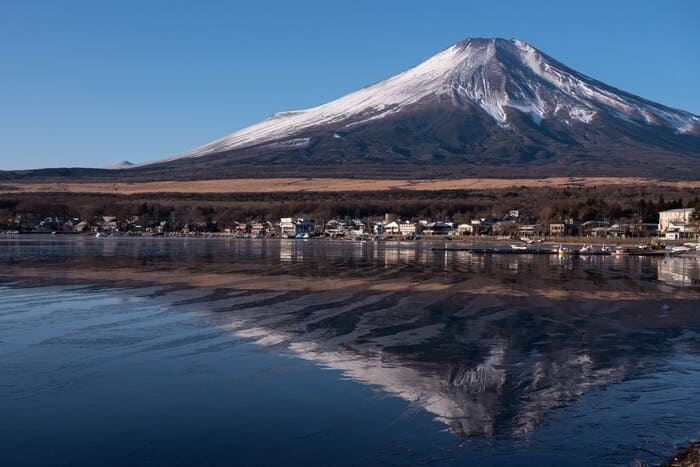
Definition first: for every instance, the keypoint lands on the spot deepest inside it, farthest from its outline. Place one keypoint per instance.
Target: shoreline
(434, 239)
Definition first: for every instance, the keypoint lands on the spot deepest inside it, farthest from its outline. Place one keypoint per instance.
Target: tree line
(542, 205)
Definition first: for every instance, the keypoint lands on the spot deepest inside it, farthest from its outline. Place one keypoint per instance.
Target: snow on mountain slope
(496, 75)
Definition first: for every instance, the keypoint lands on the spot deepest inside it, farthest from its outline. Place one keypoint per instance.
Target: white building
(465, 229)
(288, 227)
(675, 216)
(674, 224)
(404, 228)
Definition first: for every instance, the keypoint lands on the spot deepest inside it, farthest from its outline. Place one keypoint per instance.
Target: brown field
(279, 185)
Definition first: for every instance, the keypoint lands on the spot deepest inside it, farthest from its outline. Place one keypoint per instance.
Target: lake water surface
(244, 352)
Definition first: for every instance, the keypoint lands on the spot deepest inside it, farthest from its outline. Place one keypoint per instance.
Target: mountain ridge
(480, 107)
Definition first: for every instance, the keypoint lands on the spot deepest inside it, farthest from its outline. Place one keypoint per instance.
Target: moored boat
(562, 250)
(619, 251)
(586, 250)
(680, 249)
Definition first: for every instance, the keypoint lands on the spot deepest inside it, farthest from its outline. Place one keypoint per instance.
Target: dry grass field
(281, 185)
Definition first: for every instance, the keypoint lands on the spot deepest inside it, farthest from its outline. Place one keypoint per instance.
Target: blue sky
(85, 83)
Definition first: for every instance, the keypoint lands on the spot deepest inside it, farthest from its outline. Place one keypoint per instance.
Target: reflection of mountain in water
(473, 401)
(489, 345)
(489, 365)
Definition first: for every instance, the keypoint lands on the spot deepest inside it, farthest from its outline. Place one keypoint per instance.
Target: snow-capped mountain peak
(497, 76)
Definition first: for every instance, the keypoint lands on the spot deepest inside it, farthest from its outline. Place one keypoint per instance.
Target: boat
(518, 247)
(586, 250)
(562, 250)
(619, 251)
(681, 249)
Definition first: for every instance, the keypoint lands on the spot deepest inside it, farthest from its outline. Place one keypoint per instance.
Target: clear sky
(90, 83)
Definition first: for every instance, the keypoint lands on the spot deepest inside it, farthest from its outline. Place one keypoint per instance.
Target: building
(407, 228)
(465, 229)
(379, 227)
(399, 227)
(482, 226)
(290, 227)
(505, 228)
(531, 230)
(437, 228)
(675, 223)
(557, 230)
(618, 230)
(595, 228)
(599, 232)
(345, 228)
(677, 230)
(260, 228)
(335, 228)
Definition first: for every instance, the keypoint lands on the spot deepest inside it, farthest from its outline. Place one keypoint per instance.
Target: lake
(156, 351)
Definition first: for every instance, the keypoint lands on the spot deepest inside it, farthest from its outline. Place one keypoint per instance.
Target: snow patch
(581, 114)
(290, 143)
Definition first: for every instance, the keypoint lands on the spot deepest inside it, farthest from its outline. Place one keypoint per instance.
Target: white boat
(586, 250)
(518, 247)
(680, 249)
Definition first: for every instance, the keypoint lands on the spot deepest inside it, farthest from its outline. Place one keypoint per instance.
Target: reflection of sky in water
(519, 363)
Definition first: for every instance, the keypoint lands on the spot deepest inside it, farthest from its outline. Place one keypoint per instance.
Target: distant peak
(121, 165)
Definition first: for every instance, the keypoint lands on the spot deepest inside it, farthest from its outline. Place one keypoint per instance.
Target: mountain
(481, 107)
(121, 165)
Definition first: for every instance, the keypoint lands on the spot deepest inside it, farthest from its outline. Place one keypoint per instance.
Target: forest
(541, 205)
